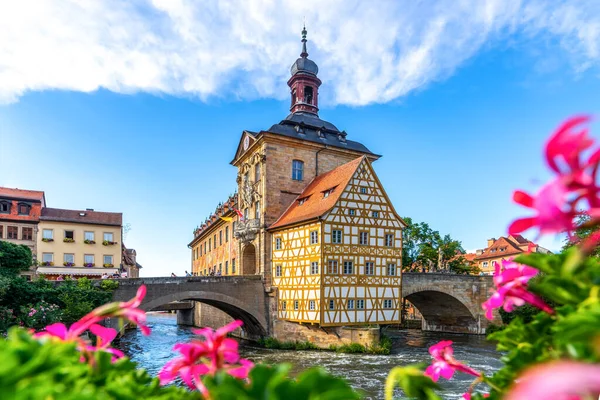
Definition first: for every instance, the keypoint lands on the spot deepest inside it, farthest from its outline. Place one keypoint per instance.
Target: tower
(304, 84)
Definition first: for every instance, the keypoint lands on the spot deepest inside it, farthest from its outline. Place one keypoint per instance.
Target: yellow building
(310, 217)
(337, 251)
(79, 243)
(504, 248)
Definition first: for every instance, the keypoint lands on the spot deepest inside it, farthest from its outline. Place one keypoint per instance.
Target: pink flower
(467, 396)
(566, 145)
(104, 336)
(553, 213)
(127, 310)
(559, 380)
(207, 357)
(445, 364)
(511, 284)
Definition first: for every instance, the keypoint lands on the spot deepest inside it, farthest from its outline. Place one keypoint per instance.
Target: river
(364, 372)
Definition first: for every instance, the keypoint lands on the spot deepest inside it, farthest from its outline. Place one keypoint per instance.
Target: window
(302, 200)
(108, 236)
(314, 267)
(257, 173)
(336, 236)
(352, 211)
(283, 305)
(47, 234)
(204, 247)
(108, 260)
(502, 249)
(246, 214)
(233, 265)
(363, 190)
(278, 270)
(311, 305)
(220, 238)
(387, 303)
(327, 192)
(88, 259)
(209, 244)
(5, 207)
(332, 267)
(308, 94)
(314, 237)
(331, 304)
(1, 231)
(375, 214)
(391, 269)
(23, 209)
(88, 236)
(369, 268)
(69, 236)
(215, 240)
(389, 240)
(348, 267)
(350, 304)
(485, 264)
(297, 170)
(48, 257)
(12, 232)
(226, 267)
(360, 304)
(226, 234)
(278, 243)
(27, 233)
(220, 268)
(69, 259)
(296, 304)
(364, 238)
(257, 210)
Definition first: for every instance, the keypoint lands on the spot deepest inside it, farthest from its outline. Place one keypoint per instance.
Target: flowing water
(364, 372)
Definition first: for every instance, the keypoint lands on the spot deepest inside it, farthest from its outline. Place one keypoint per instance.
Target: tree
(581, 233)
(14, 258)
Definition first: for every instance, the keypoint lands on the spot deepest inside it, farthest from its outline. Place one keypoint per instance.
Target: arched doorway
(249, 260)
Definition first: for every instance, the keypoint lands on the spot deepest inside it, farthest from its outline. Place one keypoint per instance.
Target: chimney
(491, 242)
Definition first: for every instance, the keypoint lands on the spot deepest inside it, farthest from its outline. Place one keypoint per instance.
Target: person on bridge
(187, 274)
(173, 275)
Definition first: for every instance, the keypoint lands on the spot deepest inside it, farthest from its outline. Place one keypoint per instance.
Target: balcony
(246, 231)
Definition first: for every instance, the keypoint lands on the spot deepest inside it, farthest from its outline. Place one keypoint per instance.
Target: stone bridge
(241, 297)
(449, 302)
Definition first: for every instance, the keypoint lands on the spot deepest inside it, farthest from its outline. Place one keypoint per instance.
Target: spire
(304, 53)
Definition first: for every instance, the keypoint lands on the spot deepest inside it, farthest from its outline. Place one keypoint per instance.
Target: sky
(137, 107)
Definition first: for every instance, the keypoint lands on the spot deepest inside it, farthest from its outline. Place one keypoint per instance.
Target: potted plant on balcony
(47, 263)
(69, 264)
(109, 265)
(47, 240)
(69, 240)
(108, 243)
(89, 265)
(89, 241)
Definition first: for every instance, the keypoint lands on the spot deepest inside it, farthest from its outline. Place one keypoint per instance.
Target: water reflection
(364, 372)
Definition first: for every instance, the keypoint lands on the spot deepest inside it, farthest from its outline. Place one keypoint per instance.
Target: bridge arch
(254, 323)
(444, 310)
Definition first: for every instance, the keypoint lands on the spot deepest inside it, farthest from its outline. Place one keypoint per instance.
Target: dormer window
(327, 192)
(308, 94)
(5, 207)
(302, 200)
(23, 209)
(502, 249)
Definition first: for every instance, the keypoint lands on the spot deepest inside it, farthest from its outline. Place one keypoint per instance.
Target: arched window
(308, 94)
(293, 96)
(5, 207)
(297, 170)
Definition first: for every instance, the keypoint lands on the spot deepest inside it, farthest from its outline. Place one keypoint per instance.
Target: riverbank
(383, 347)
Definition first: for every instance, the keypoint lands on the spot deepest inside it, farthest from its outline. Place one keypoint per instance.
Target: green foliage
(413, 383)
(31, 369)
(582, 233)
(109, 285)
(74, 298)
(7, 319)
(274, 383)
(14, 258)
(351, 348)
(40, 315)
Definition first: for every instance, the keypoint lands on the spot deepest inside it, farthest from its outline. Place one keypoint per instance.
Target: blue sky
(460, 118)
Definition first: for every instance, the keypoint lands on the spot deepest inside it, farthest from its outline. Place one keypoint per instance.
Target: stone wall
(324, 337)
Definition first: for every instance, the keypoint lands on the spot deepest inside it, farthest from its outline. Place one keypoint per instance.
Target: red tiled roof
(510, 248)
(315, 205)
(88, 217)
(22, 194)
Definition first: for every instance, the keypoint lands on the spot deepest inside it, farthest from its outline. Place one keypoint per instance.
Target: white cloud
(367, 51)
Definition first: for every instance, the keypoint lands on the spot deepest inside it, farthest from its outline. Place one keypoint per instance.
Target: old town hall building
(310, 216)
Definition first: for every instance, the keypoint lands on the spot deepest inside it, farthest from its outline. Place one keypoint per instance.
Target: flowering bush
(69, 240)
(108, 265)
(108, 243)
(88, 241)
(89, 265)
(69, 264)
(47, 240)
(557, 354)
(47, 263)
(39, 315)
(58, 363)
